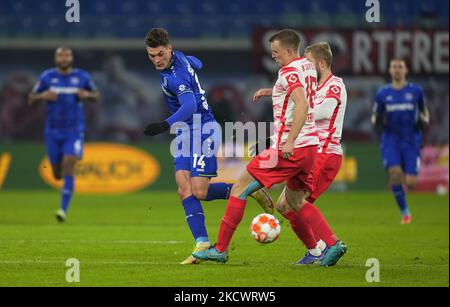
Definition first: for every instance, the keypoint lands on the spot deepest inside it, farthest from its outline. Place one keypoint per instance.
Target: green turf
(139, 239)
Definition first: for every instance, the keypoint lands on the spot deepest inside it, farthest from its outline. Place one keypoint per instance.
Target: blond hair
(321, 51)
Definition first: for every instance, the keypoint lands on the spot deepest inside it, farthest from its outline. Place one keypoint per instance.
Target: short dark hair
(288, 39)
(397, 60)
(157, 37)
(321, 51)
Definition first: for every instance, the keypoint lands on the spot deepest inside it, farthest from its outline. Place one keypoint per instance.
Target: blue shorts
(401, 152)
(60, 144)
(197, 157)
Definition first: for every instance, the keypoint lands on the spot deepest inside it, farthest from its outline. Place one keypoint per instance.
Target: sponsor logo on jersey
(292, 79)
(335, 89)
(400, 107)
(74, 80)
(64, 90)
(109, 168)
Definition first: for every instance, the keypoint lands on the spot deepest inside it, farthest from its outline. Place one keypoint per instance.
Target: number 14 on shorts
(199, 161)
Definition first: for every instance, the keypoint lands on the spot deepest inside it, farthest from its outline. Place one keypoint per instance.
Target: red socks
(301, 228)
(317, 221)
(233, 216)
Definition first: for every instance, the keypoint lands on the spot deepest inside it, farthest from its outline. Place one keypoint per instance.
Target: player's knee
(200, 192)
(237, 190)
(68, 167)
(184, 192)
(395, 177)
(282, 206)
(411, 183)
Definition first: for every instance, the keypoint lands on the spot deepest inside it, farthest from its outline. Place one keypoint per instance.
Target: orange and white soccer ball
(265, 228)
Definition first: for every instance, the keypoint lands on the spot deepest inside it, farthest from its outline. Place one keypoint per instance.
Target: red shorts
(269, 167)
(325, 170)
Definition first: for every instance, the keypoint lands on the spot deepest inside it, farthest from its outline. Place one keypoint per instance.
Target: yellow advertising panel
(5, 162)
(108, 168)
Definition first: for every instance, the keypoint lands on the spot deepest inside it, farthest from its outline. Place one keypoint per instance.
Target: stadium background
(229, 37)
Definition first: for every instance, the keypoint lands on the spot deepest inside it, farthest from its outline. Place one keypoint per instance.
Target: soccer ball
(265, 228)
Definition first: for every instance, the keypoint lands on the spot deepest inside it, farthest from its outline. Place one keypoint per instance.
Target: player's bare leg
(200, 187)
(289, 205)
(396, 180)
(411, 182)
(234, 213)
(66, 172)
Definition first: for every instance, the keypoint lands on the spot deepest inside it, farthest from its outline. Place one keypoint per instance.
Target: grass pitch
(139, 239)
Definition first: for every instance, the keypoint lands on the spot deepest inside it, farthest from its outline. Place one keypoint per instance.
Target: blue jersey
(400, 109)
(181, 78)
(67, 112)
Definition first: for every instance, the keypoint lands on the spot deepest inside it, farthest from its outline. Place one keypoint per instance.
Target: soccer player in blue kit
(400, 114)
(187, 103)
(64, 89)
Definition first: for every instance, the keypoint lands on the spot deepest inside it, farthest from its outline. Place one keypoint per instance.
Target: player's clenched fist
(156, 128)
(83, 94)
(49, 95)
(288, 149)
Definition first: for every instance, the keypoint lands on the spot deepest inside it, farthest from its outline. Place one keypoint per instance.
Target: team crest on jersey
(389, 98)
(54, 80)
(409, 96)
(74, 80)
(182, 88)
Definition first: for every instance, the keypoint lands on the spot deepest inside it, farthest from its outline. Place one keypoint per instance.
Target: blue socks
(195, 218)
(400, 197)
(67, 192)
(218, 191)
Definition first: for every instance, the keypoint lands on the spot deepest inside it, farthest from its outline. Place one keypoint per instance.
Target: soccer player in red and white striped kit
(307, 221)
(330, 101)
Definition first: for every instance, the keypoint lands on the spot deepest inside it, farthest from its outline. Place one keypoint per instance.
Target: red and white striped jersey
(298, 73)
(329, 108)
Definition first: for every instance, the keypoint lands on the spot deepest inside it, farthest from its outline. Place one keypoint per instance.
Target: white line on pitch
(94, 241)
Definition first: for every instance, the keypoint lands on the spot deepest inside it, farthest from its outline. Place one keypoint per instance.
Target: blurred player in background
(330, 101)
(400, 114)
(64, 89)
(185, 99)
(295, 143)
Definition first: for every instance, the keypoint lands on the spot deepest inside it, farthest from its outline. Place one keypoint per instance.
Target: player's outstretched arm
(300, 114)
(263, 92)
(187, 109)
(35, 98)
